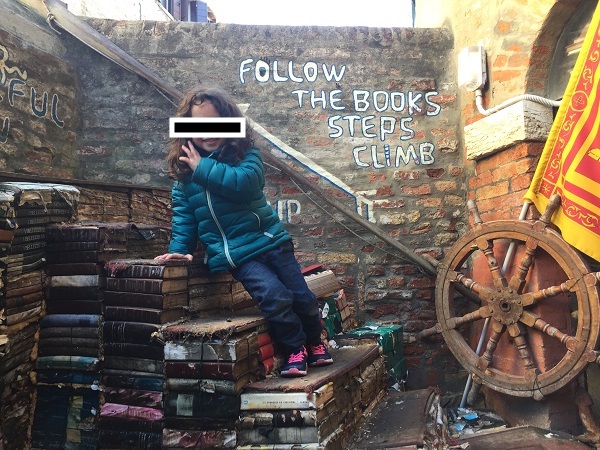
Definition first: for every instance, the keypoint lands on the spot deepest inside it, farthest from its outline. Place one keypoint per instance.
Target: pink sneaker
(295, 365)
(318, 355)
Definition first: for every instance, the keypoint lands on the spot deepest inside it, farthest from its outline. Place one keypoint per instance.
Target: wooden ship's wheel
(513, 313)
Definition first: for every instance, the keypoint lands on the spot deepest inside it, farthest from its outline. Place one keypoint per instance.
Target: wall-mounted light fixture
(472, 68)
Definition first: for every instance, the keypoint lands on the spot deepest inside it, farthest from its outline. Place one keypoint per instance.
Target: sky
(369, 13)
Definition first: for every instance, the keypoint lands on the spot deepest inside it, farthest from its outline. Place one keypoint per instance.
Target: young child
(218, 198)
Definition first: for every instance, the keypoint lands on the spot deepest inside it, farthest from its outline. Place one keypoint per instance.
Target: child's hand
(173, 256)
(191, 156)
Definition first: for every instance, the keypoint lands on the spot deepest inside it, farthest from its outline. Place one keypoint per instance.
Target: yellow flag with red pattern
(570, 162)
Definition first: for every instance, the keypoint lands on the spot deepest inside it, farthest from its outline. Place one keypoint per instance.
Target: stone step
(334, 399)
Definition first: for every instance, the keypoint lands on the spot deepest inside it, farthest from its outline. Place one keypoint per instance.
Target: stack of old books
(208, 362)
(25, 209)
(210, 293)
(152, 207)
(141, 295)
(146, 241)
(390, 339)
(67, 382)
(320, 410)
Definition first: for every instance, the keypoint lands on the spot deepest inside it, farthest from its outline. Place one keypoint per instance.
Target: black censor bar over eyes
(207, 127)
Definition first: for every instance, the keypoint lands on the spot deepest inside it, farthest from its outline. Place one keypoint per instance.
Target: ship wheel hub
(506, 307)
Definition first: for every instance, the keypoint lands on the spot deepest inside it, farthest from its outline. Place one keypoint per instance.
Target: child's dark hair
(234, 149)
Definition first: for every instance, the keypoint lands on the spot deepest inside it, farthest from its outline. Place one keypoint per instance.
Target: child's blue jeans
(275, 281)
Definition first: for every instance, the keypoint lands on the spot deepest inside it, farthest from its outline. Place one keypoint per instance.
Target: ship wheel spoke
(534, 321)
(478, 314)
(482, 291)
(531, 298)
(485, 360)
(487, 247)
(517, 332)
(518, 280)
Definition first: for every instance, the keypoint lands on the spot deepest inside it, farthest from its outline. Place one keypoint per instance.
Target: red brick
(495, 190)
(385, 191)
(424, 189)
(500, 61)
(435, 173)
(422, 283)
(503, 27)
(316, 231)
(406, 174)
(378, 176)
(396, 283)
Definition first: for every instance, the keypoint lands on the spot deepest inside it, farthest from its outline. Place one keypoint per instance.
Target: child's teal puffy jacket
(224, 205)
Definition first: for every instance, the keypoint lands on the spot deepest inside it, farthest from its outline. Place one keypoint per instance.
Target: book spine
(277, 400)
(82, 332)
(70, 320)
(57, 233)
(120, 424)
(134, 332)
(142, 271)
(74, 293)
(133, 382)
(74, 246)
(134, 397)
(27, 299)
(134, 364)
(283, 418)
(188, 369)
(118, 313)
(67, 362)
(123, 439)
(142, 285)
(28, 247)
(207, 351)
(297, 435)
(153, 352)
(201, 404)
(134, 299)
(216, 386)
(205, 439)
(76, 280)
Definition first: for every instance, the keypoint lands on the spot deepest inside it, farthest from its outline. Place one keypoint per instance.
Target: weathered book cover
(76, 246)
(210, 385)
(278, 400)
(148, 315)
(122, 439)
(34, 278)
(134, 364)
(124, 424)
(133, 397)
(141, 300)
(201, 404)
(118, 379)
(48, 350)
(82, 363)
(29, 231)
(134, 332)
(209, 439)
(63, 257)
(27, 247)
(233, 349)
(79, 332)
(154, 352)
(56, 281)
(149, 268)
(23, 291)
(287, 435)
(74, 232)
(27, 238)
(24, 316)
(71, 320)
(131, 412)
(70, 341)
(146, 285)
(74, 293)
(70, 269)
(283, 418)
(28, 299)
(209, 369)
(79, 307)
(52, 376)
(313, 446)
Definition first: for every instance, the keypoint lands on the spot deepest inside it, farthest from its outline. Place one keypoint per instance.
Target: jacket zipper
(225, 243)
